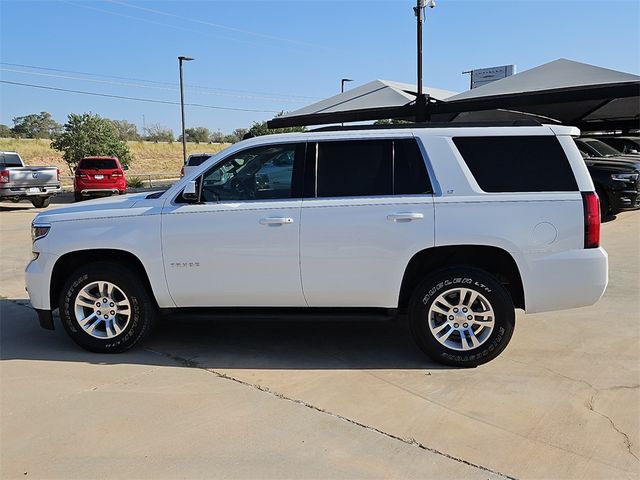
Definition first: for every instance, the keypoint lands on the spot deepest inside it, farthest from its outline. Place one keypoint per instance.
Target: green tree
(88, 135)
(217, 137)
(390, 121)
(35, 125)
(127, 131)
(158, 133)
(197, 135)
(5, 132)
(260, 128)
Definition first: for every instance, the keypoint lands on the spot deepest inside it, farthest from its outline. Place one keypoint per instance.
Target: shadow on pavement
(226, 344)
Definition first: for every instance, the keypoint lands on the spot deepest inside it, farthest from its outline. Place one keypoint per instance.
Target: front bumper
(625, 200)
(38, 280)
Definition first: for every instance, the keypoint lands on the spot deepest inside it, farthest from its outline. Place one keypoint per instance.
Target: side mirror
(190, 192)
(125, 167)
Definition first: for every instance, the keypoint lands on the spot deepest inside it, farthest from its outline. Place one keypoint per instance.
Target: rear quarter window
(517, 163)
(98, 164)
(197, 160)
(10, 160)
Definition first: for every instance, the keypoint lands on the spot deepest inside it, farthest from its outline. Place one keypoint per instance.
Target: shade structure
(569, 92)
(374, 100)
(562, 91)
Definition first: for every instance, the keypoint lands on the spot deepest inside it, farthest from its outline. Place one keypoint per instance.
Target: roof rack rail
(509, 123)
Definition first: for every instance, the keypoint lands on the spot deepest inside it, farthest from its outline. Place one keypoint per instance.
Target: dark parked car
(617, 184)
(592, 147)
(625, 145)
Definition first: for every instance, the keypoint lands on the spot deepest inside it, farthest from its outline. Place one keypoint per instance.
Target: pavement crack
(408, 441)
(591, 406)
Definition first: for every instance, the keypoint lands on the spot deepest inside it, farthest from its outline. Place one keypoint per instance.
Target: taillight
(119, 173)
(81, 174)
(58, 173)
(4, 176)
(591, 205)
(182, 172)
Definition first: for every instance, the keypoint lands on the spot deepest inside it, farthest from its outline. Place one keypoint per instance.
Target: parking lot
(257, 399)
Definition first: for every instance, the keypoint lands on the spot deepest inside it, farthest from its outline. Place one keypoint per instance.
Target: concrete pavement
(323, 400)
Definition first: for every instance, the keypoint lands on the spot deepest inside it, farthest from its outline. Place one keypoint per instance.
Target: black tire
(143, 310)
(443, 281)
(41, 202)
(77, 197)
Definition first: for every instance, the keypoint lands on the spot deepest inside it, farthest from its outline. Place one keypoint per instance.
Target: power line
(137, 99)
(218, 25)
(155, 82)
(137, 85)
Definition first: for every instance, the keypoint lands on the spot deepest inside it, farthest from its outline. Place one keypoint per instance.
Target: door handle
(276, 221)
(405, 217)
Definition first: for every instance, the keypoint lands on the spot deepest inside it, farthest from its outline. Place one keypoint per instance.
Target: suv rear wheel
(461, 317)
(106, 308)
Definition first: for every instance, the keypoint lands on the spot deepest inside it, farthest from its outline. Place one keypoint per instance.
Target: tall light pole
(342, 82)
(419, 11)
(184, 140)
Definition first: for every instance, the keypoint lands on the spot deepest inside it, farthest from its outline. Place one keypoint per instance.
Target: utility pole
(184, 140)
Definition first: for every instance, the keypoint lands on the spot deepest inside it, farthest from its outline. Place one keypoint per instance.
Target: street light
(184, 140)
(419, 11)
(342, 82)
(421, 99)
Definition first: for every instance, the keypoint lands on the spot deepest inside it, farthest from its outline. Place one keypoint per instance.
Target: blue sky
(280, 55)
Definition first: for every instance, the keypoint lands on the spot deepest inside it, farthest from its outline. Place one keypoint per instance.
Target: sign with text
(482, 76)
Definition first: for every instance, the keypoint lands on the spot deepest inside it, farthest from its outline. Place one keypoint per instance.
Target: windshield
(97, 164)
(10, 160)
(602, 148)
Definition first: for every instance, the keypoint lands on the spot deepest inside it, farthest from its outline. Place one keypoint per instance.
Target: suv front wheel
(106, 308)
(461, 317)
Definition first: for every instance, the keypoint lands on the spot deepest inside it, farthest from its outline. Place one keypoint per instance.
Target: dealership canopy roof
(563, 91)
(572, 93)
(380, 95)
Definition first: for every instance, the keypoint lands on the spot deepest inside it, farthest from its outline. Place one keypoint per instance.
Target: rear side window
(410, 174)
(10, 160)
(517, 163)
(98, 164)
(196, 160)
(354, 168)
(371, 167)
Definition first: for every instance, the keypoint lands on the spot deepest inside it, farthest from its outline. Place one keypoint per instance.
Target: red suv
(99, 176)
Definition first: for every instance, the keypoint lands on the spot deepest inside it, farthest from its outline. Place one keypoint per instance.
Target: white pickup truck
(452, 228)
(19, 182)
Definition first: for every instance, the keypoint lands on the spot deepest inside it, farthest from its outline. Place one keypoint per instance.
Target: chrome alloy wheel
(461, 319)
(102, 310)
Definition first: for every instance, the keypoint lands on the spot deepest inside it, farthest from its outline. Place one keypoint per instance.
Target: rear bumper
(98, 191)
(576, 278)
(21, 192)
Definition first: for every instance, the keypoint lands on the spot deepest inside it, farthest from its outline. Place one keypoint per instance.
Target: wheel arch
(69, 262)
(494, 260)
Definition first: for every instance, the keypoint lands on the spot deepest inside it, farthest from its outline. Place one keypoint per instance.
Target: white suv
(454, 227)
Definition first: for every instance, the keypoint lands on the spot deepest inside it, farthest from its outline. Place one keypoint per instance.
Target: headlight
(625, 177)
(39, 231)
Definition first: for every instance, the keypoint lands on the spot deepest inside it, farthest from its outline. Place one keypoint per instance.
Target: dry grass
(149, 157)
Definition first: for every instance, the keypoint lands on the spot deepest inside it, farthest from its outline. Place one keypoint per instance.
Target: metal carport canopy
(562, 91)
(573, 93)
